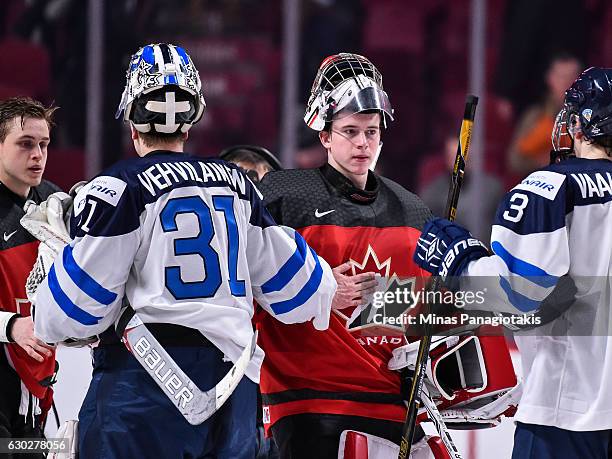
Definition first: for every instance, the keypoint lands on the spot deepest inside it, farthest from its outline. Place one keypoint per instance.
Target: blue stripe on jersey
(290, 268)
(523, 268)
(307, 290)
(71, 309)
(518, 300)
(84, 281)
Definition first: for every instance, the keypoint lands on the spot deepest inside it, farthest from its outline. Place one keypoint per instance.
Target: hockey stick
(414, 397)
(436, 418)
(194, 404)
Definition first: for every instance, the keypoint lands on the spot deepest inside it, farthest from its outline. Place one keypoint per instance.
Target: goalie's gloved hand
(47, 223)
(445, 248)
(57, 208)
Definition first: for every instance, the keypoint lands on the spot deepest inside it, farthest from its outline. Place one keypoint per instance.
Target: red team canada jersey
(18, 251)
(342, 370)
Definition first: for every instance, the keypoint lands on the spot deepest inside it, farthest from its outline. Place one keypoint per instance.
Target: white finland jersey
(189, 242)
(558, 222)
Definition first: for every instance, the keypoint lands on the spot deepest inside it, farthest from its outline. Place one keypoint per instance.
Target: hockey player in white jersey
(552, 233)
(190, 245)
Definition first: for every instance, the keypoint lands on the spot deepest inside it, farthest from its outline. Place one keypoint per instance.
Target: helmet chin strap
(376, 156)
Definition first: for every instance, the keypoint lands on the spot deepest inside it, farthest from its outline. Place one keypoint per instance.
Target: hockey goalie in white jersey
(552, 263)
(189, 244)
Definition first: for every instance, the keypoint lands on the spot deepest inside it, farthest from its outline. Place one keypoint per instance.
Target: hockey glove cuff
(445, 249)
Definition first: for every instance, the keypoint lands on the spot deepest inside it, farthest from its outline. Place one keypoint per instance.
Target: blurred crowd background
(533, 51)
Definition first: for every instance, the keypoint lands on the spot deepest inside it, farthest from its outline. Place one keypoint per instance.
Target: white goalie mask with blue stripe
(166, 87)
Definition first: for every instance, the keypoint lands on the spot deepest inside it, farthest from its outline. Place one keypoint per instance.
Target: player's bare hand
(22, 332)
(352, 290)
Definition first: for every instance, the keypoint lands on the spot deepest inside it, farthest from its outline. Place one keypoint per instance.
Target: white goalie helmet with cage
(163, 91)
(346, 84)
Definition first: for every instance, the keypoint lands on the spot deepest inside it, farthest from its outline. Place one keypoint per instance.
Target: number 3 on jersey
(201, 245)
(519, 202)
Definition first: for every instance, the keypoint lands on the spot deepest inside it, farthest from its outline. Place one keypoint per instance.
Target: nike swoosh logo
(322, 214)
(8, 236)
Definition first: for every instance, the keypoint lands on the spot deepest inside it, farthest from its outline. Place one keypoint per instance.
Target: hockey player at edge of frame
(189, 243)
(363, 224)
(27, 365)
(543, 237)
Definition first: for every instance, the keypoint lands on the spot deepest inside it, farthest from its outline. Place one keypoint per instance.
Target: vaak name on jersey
(595, 185)
(164, 175)
(172, 383)
(454, 251)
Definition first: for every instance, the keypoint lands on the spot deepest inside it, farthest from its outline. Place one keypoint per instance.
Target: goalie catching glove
(47, 222)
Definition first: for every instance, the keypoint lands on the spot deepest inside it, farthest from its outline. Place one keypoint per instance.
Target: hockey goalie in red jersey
(317, 384)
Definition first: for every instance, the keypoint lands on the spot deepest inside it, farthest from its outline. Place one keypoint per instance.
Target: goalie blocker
(470, 378)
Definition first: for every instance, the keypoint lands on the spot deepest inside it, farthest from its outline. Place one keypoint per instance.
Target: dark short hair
(562, 56)
(252, 154)
(328, 124)
(152, 139)
(247, 156)
(24, 108)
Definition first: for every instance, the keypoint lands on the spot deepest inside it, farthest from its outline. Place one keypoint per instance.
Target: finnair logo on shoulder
(543, 183)
(107, 188)
(539, 184)
(594, 185)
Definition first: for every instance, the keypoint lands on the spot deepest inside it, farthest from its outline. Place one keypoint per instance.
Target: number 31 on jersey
(201, 245)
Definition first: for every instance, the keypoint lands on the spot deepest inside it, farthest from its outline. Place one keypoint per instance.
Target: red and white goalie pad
(471, 378)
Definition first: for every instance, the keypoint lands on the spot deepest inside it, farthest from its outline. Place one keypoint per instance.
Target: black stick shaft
(414, 398)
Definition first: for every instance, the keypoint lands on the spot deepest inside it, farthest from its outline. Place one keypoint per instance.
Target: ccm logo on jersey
(172, 383)
(460, 246)
(543, 183)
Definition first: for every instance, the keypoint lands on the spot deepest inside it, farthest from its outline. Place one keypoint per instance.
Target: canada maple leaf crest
(366, 319)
